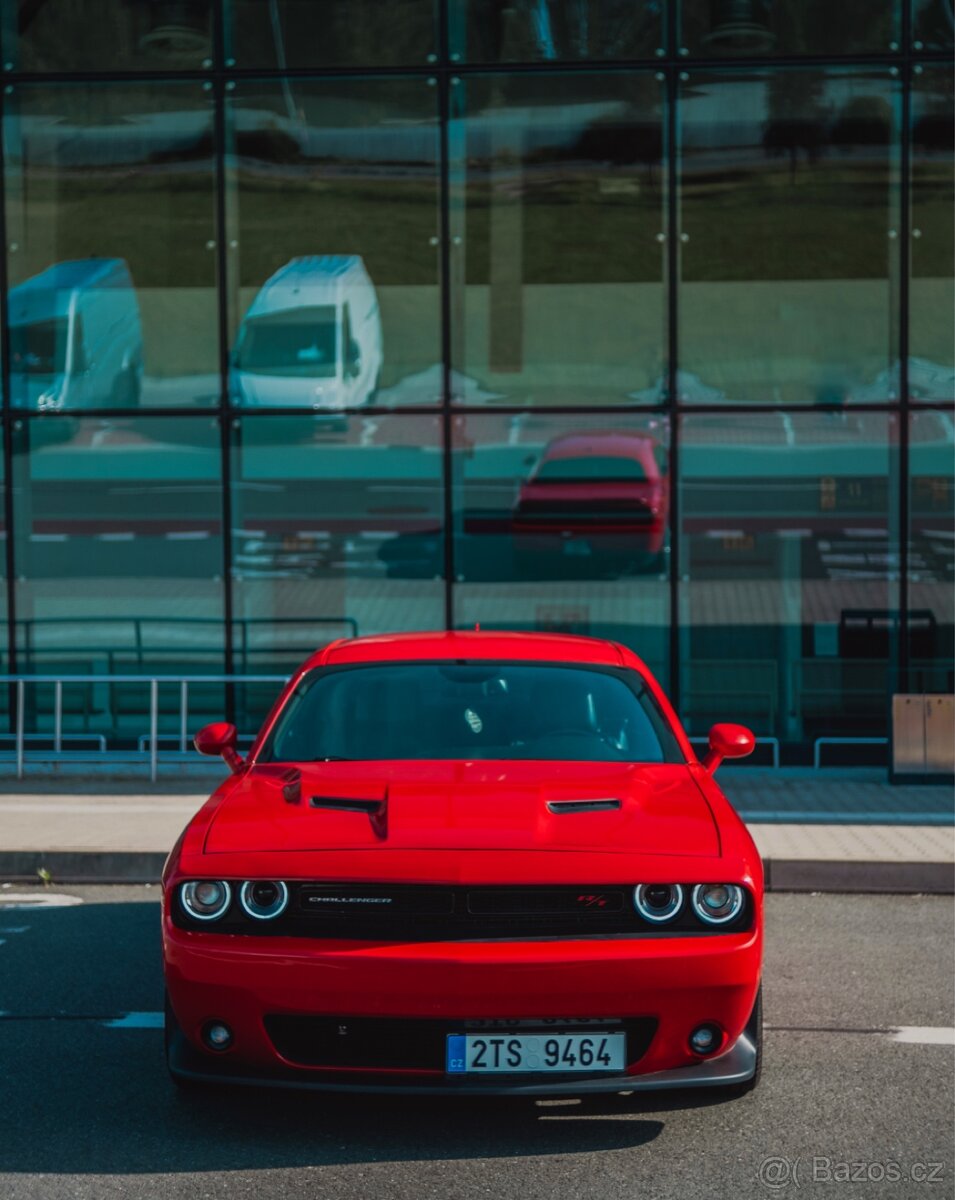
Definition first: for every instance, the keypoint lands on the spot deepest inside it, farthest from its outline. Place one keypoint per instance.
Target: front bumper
(679, 982)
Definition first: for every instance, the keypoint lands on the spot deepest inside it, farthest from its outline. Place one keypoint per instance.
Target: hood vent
(580, 806)
(375, 810)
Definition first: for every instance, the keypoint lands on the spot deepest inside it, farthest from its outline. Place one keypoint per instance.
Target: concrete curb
(782, 875)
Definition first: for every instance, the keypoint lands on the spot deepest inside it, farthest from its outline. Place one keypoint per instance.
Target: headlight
(658, 902)
(717, 903)
(205, 899)
(263, 898)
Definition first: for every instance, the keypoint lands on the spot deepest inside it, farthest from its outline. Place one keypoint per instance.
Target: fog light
(217, 1035)
(705, 1039)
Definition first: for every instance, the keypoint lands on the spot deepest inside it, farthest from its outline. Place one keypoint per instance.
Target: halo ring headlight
(263, 899)
(658, 902)
(205, 899)
(717, 903)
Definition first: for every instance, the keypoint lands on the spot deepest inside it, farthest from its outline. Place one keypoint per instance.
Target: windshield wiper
(335, 758)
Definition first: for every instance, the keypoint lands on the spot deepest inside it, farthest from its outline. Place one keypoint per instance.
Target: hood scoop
(375, 810)
(581, 806)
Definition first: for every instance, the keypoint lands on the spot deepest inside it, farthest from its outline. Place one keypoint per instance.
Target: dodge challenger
(466, 863)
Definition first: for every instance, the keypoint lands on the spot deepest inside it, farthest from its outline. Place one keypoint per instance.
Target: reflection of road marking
(136, 1020)
(11, 900)
(925, 1035)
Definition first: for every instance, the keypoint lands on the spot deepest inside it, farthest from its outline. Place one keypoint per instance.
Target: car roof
(534, 647)
(309, 280)
(602, 443)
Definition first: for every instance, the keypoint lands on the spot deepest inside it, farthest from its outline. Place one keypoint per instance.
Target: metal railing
(842, 741)
(152, 682)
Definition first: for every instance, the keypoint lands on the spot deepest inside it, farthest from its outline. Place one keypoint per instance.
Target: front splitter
(736, 1066)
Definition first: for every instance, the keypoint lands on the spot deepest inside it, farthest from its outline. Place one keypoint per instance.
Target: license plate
(577, 548)
(502, 1053)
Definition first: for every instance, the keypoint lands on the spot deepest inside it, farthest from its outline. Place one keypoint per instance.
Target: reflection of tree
(863, 121)
(797, 116)
(535, 30)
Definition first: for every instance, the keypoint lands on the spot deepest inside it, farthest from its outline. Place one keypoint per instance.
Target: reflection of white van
(76, 340)
(311, 337)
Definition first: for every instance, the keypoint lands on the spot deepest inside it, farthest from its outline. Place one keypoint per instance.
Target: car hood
(466, 806)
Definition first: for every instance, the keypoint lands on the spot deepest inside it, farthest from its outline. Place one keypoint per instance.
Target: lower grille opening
(402, 1043)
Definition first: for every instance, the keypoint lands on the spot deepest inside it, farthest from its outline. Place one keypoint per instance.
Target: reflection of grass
(828, 221)
(825, 222)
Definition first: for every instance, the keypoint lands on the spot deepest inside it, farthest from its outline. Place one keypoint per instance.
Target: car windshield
(39, 347)
(486, 710)
(296, 342)
(602, 468)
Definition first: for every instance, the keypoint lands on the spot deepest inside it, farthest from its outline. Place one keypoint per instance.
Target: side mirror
(728, 741)
(219, 740)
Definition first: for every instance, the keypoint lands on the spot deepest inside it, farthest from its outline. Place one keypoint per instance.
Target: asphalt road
(87, 1111)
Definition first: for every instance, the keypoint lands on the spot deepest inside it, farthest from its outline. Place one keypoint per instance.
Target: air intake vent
(579, 806)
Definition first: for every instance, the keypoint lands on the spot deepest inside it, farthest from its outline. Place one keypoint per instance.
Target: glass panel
(787, 553)
(333, 33)
(555, 31)
(933, 24)
(541, 543)
(4, 632)
(337, 532)
(722, 28)
(790, 262)
(110, 219)
(477, 711)
(334, 271)
(931, 552)
(119, 561)
(558, 197)
(108, 35)
(932, 285)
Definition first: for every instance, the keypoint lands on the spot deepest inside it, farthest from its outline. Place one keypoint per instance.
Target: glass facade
(626, 319)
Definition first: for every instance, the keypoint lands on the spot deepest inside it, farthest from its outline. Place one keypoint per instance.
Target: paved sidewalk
(843, 833)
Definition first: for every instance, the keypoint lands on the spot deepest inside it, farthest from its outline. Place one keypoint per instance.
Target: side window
(352, 352)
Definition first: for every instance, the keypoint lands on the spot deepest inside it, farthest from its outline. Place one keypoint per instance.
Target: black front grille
(584, 512)
(410, 1044)
(428, 913)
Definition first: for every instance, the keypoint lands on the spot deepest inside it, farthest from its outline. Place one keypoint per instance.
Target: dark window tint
(106, 35)
(478, 711)
(289, 343)
(333, 33)
(727, 28)
(595, 469)
(555, 30)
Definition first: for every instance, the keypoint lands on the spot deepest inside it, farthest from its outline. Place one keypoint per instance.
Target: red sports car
(466, 862)
(595, 496)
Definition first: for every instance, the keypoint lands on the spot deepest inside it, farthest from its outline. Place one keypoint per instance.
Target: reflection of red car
(466, 862)
(596, 494)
